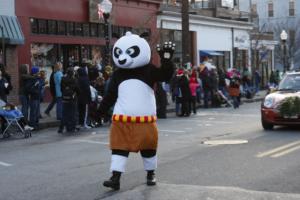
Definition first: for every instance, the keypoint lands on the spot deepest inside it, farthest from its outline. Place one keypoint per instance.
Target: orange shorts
(133, 137)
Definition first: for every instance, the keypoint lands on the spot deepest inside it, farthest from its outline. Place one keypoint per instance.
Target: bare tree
(293, 42)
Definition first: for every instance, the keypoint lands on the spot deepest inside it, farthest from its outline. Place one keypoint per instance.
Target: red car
(270, 114)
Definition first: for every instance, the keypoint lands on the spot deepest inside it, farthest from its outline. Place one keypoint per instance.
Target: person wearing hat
(34, 87)
(177, 92)
(57, 82)
(204, 75)
(70, 91)
(184, 92)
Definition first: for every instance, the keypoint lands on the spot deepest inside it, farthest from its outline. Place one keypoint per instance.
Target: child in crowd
(234, 91)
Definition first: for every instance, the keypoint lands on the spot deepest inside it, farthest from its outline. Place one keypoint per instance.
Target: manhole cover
(222, 142)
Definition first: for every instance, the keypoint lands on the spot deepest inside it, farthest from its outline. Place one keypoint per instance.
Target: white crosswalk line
(285, 152)
(277, 150)
(5, 164)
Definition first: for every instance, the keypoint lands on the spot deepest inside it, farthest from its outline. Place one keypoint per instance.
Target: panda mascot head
(131, 51)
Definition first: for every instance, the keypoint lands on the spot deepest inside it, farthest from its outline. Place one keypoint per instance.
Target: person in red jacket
(193, 87)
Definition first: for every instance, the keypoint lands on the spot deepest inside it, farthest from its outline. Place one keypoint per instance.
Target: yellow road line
(276, 150)
(285, 152)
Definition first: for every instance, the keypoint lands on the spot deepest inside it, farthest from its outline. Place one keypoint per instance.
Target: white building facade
(275, 16)
(213, 36)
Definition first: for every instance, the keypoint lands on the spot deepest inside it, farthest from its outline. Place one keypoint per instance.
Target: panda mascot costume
(131, 93)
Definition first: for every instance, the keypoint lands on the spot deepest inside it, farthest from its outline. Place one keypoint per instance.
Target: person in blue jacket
(57, 82)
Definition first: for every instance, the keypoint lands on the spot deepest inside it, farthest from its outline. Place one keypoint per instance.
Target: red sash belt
(134, 119)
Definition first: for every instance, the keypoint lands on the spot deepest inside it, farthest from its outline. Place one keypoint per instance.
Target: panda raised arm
(135, 75)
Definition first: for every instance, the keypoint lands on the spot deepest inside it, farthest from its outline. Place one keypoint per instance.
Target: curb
(51, 124)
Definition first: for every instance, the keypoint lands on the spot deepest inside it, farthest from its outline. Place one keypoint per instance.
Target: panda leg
(118, 164)
(150, 165)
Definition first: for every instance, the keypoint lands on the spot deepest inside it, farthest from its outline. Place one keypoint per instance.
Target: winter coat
(24, 77)
(93, 73)
(52, 85)
(183, 84)
(57, 81)
(8, 79)
(84, 87)
(72, 83)
(193, 88)
(205, 78)
(3, 88)
(222, 77)
(234, 88)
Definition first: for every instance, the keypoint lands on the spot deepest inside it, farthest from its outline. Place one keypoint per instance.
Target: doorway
(71, 55)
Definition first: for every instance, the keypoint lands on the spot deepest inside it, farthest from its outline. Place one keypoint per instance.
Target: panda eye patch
(117, 52)
(133, 51)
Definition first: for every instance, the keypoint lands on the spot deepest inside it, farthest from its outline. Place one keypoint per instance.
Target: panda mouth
(122, 62)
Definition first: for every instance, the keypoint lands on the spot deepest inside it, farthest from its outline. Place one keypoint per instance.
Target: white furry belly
(135, 98)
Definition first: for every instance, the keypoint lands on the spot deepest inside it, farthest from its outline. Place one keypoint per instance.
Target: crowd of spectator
(211, 86)
(77, 91)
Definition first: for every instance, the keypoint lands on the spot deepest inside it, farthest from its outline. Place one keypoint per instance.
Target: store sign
(227, 3)
(242, 42)
(264, 55)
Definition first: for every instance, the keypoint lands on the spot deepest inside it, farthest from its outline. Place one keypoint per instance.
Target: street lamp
(104, 10)
(283, 37)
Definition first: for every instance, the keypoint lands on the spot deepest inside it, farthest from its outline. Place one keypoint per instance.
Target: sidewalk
(48, 122)
(165, 191)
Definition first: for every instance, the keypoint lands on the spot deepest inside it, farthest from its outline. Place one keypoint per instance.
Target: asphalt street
(215, 154)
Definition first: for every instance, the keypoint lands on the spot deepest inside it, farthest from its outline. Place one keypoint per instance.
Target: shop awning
(210, 53)
(12, 30)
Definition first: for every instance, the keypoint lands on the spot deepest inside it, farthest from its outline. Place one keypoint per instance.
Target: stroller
(12, 119)
(223, 99)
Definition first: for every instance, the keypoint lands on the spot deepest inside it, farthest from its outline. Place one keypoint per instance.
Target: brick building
(71, 32)
(11, 37)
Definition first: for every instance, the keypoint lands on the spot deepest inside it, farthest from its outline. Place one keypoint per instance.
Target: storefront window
(70, 28)
(86, 30)
(42, 26)
(94, 30)
(44, 56)
(78, 29)
(101, 30)
(57, 27)
(34, 25)
(61, 28)
(52, 27)
(86, 53)
(97, 52)
(115, 30)
(122, 31)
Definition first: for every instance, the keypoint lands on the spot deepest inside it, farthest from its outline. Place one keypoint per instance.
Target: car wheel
(266, 125)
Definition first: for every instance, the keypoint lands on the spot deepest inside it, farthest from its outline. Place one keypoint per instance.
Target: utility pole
(186, 57)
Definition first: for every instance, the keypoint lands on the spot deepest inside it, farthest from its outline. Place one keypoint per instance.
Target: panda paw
(166, 51)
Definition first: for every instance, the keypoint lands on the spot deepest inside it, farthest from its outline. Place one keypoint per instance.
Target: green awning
(12, 30)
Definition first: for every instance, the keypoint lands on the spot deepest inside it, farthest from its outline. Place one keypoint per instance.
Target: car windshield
(290, 82)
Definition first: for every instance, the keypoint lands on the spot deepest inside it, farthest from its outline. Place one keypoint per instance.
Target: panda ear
(145, 35)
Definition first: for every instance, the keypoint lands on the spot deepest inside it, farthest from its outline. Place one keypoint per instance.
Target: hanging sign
(227, 3)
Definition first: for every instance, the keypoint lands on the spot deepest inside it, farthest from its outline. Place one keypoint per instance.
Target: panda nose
(122, 62)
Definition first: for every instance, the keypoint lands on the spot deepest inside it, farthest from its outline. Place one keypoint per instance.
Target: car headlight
(269, 102)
